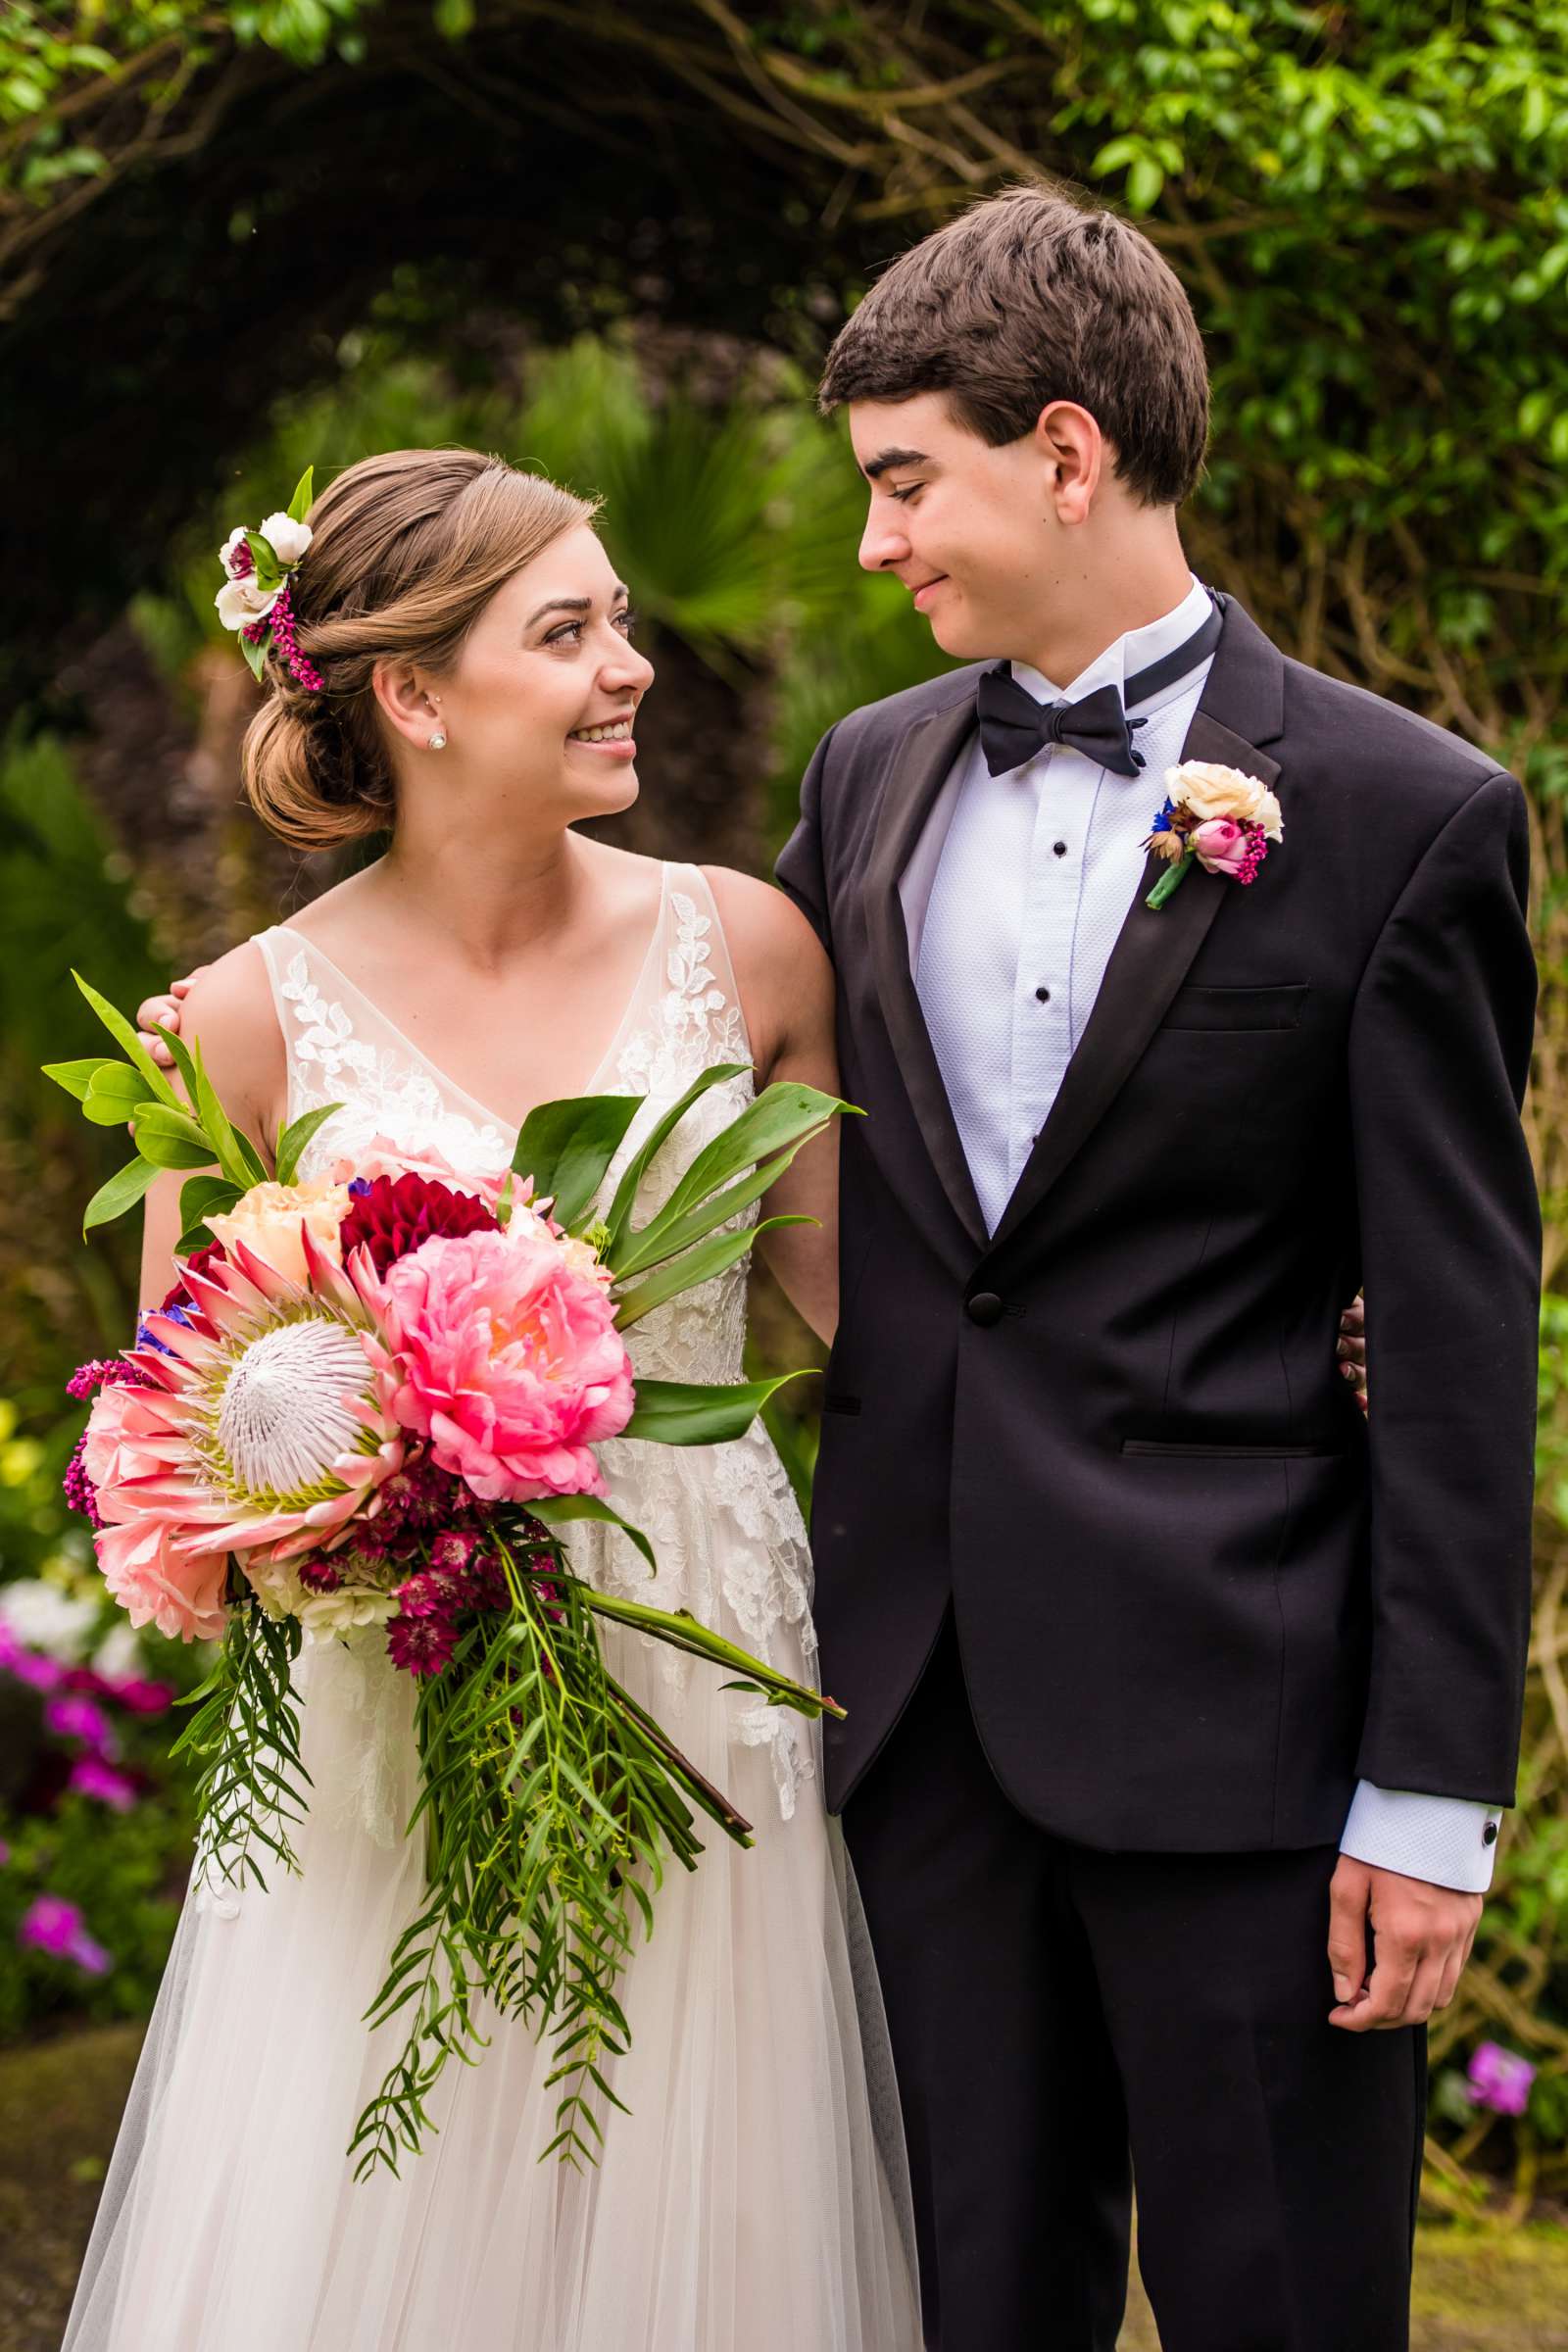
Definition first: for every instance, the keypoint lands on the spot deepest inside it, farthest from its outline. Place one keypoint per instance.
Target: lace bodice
(723, 1520)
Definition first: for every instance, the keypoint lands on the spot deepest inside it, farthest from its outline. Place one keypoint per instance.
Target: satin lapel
(922, 763)
(1154, 951)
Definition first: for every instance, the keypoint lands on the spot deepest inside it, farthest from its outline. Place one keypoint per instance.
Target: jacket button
(985, 1309)
(1489, 1835)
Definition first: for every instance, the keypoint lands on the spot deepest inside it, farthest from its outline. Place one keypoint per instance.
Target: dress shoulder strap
(698, 960)
(278, 945)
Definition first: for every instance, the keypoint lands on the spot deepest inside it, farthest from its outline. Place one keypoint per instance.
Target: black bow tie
(1013, 726)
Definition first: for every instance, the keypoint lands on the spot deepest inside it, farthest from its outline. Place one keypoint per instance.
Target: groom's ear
(1073, 450)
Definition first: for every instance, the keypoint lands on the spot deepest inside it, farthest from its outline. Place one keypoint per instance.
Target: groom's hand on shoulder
(1420, 1941)
(163, 1012)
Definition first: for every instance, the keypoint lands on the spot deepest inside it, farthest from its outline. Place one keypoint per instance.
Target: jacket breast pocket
(1278, 1007)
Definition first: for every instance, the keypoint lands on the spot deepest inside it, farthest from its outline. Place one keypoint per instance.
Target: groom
(1182, 1705)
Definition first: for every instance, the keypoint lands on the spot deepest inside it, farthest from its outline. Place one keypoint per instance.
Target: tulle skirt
(755, 2196)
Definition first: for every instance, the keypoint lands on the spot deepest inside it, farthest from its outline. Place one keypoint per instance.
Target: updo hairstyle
(406, 550)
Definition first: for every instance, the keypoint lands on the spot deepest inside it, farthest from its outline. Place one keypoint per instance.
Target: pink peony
(1225, 847)
(512, 1363)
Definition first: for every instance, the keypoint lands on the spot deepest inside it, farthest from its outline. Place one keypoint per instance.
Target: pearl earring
(438, 741)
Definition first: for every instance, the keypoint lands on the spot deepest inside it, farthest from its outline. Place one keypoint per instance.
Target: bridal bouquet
(375, 1402)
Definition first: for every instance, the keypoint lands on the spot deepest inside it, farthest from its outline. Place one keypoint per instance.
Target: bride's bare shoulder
(230, 1008)
(766, 930)
(784, 978)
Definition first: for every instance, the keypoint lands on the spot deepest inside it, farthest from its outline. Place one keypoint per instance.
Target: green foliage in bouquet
(550, 1798)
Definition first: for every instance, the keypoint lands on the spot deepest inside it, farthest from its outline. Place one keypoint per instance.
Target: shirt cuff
(1446, 1841)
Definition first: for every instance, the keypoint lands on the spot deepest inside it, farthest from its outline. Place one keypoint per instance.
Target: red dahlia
(396, 1213)
(197, 1263)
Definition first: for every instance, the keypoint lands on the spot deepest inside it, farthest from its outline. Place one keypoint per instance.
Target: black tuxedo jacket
(1197, 1596)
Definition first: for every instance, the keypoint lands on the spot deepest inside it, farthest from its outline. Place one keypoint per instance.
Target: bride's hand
(1352, 1346)
(163, 1012)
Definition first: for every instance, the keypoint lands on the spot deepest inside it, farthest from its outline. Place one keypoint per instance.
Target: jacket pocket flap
(1237, 1007)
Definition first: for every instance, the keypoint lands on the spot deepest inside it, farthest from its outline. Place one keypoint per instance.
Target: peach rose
(268, 1219)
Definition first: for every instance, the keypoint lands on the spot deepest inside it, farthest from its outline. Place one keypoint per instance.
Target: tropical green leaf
(124, 1036)
(695, 1266)
(255, 654)
(299, 505)
(294, 1138)
(76, 1076)
(204, 1197)
(664, 1237)
(168, 1139)
(781, 1117)
(637, 1167)
(117, 1081)
(678, 1412)
(565, 1147)
(113, 1097)
(560, 1510)
(122, 1191)
(236, 1154)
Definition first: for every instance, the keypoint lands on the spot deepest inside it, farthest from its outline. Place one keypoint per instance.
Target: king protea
(265, 1427)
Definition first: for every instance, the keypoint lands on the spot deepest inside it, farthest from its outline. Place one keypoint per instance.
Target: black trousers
(1054, 2011)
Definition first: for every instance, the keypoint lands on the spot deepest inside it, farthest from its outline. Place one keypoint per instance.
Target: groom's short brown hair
(1028, 298)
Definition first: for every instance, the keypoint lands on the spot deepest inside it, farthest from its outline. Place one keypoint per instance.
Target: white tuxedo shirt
(1012, 900)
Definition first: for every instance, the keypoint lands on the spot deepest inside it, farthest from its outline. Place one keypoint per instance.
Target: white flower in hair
(286, 538)
(235, 556)
(240, 601)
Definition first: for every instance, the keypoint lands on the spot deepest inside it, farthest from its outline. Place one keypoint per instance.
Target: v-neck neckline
(445, 1078)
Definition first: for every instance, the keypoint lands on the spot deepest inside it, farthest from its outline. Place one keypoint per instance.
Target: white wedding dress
(755, 2199)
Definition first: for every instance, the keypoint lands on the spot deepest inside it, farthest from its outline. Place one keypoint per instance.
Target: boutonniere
(1214, 817)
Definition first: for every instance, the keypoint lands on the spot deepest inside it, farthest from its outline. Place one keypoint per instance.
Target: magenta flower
(431, 1593)
(452, 1553)
(79, 1718)
(29, 1666)
(421, 1645)
(52, 1924)
(140, 1697)
(1499, 2079)
(91, 1776)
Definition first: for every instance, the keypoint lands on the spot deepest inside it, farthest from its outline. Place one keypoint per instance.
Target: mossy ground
(60, 2101)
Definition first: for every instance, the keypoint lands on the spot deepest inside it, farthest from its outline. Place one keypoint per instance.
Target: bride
(478, 695)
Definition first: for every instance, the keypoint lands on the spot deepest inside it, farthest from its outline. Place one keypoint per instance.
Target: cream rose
(268, 1219)
(1208, 790)
(286, 538)
(240, 601)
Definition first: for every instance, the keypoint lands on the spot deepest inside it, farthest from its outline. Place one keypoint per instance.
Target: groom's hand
(1421, 1938)
(163, 1012)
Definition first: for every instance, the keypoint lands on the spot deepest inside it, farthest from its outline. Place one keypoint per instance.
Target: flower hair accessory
(1215, 817)
(256, 597)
